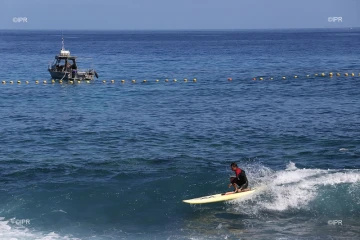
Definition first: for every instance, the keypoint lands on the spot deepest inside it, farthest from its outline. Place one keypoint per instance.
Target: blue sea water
(115, 160)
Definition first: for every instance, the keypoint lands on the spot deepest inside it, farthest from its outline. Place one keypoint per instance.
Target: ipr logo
(334, 19)
(20, 20)
(335, 222)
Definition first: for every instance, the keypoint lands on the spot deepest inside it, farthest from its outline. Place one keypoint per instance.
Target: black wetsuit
(240, 179)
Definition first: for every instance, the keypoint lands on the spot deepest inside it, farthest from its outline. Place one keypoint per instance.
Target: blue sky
(180, 14)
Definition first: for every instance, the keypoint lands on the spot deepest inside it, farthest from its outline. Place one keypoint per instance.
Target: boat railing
(83, 70)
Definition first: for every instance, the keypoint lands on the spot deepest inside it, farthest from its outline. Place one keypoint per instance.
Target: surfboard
(219, 197)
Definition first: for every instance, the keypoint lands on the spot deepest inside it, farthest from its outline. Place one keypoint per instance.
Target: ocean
(114, 160)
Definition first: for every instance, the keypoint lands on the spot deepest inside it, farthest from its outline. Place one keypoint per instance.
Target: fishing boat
(64, 67)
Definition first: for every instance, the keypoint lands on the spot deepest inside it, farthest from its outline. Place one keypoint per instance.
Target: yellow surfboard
(219, 197)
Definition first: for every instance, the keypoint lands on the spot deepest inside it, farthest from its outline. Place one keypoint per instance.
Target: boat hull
(68, 76)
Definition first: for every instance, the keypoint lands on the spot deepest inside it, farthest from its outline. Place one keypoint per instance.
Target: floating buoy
(330, 74)
(3, 82)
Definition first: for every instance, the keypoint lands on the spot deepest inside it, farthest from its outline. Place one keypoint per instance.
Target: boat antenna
(62, 36)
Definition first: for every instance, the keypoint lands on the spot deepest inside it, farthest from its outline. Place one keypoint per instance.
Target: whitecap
(292, 188)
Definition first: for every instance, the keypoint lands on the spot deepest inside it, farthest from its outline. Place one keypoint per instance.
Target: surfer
(240, 182)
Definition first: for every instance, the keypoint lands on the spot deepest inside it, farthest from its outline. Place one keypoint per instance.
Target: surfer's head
(233, 165)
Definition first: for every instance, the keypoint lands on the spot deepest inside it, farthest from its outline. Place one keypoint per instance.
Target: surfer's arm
(232, 182)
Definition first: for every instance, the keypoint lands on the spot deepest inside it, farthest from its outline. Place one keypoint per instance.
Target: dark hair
(233, 164)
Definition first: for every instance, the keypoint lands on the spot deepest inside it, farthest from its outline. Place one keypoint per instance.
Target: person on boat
(239, 182)
(68, 66)
(61, 68)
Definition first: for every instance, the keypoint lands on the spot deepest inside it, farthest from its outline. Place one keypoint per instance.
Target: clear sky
(177, 14)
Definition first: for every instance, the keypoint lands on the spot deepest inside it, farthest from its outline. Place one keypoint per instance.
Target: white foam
(291, 166)
(294, 188)
(59, 211)
(13, 232)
